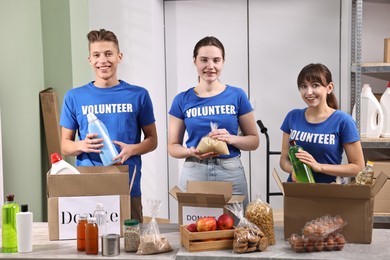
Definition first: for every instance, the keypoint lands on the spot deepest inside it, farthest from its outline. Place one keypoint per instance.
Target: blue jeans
(216, 169)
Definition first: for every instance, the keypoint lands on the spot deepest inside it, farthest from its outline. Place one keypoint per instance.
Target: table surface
(66, 249)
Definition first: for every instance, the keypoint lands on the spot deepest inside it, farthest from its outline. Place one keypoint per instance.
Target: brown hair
(102, 35)
(317, 72)
(209, 41)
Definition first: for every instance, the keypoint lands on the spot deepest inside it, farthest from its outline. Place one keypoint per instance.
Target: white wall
(375, 16)
(266, 46)
(284, 37)
(138, 25)
(186, 22)
(1, 170)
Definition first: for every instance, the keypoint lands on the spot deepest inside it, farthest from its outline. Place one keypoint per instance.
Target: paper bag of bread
(207, 144)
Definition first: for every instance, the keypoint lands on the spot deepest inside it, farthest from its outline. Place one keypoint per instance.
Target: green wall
(38, 37)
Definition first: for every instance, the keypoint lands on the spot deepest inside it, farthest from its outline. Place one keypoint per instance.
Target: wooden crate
(207, 240)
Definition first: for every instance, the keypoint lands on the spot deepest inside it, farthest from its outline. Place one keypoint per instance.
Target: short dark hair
(102, 35)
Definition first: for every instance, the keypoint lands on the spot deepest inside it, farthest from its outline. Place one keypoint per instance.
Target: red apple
(206, 224)
(225, 221)
(192, 227)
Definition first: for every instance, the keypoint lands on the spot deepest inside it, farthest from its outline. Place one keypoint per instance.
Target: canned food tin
(111, 245)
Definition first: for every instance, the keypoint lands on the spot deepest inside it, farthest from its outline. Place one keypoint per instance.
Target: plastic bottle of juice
(81, 226)
(302, 171)
(108, 151)
(9, 234)
(91, 237)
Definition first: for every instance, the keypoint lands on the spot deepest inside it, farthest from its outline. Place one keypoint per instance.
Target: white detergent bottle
(108, 151)
(385, 104)
(371, 114)
(60, 166)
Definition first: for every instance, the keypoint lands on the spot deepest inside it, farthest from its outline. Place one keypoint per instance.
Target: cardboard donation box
(382, 199)
(304, 202)
(70, 195)
(203, 199)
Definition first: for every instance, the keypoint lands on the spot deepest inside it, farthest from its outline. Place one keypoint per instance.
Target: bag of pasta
(247, 236)
(261, 214)
(208, 144)
(151, 241)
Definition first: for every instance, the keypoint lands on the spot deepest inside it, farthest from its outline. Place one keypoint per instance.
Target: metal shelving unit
(378, 70)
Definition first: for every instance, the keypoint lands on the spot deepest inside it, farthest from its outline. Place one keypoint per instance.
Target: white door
(284, 37)
(1, 171)
(186, 22)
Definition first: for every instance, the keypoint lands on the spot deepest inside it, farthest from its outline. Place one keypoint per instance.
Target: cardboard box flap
(103, 169)
(201, 199)
(330, 190)
(378, 184)
(174, 192)
(211, 187)
(94, 181)
(381, 166)
(238, 198)
(326, 190)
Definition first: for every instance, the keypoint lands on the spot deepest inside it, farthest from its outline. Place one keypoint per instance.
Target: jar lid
(131, 222)
(83, 216)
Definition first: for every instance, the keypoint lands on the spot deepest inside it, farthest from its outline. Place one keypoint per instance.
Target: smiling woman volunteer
(321, 129)
(212, 101)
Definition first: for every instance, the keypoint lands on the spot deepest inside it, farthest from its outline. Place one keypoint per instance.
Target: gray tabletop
(66, 249)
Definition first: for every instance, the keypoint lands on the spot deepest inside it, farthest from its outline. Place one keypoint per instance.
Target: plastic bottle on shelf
(108, 151)
(302, 171)
(371, 114)
(60, 166)
(9, 234)
(101, 219)
(385, 104)
(24, 221)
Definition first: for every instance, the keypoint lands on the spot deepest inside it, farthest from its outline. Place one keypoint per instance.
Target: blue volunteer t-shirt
(223, 109)
(123, 108)
(324, 141)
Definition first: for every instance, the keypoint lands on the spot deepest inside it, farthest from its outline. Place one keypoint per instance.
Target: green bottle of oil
(302, 171)
(9, 238)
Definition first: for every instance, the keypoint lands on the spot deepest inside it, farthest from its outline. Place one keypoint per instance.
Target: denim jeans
(216, 169)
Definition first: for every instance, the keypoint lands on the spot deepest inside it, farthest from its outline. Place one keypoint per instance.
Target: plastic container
(81, 226)
(108, 151)
(131, 234)
(24, 221)
(302, 171)
(9, 234)
(91, 237)
(366, 176)
(371, 114)
(59, 166)
(385, 104)
(101, 219)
